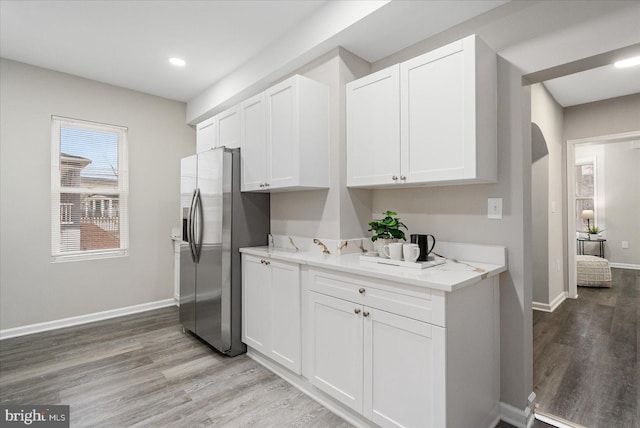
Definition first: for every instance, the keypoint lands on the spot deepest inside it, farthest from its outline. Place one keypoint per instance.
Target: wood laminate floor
(585, 355)
(142, 370)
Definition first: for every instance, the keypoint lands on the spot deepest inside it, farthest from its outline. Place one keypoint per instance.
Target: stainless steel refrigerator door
(211, 274)
(187, 261)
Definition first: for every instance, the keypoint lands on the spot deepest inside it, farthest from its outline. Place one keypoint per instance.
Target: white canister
(393, 251)
(411, 252)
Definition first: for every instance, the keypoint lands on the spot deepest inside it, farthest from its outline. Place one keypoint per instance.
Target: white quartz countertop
(455, 274)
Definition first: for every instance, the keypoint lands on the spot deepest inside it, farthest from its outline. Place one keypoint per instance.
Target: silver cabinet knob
(361, 291)
(394, 178)
(356, 311)
(402, 177)
(365, 314)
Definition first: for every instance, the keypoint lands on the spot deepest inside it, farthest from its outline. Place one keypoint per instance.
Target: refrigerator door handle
(197, 245)
(190, 231)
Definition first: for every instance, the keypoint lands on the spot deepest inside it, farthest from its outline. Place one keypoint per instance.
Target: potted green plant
(386, 230)
(593, 232)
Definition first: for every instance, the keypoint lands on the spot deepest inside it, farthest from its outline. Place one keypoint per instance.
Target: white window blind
(89, 188)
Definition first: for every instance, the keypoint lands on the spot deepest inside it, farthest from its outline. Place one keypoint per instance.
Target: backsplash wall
(334, 213)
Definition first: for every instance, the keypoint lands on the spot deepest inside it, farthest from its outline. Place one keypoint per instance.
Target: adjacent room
(584, 357)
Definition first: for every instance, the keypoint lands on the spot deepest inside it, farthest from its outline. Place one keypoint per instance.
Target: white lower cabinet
(337, 347)
(388, 367)
(404, 371)
(271, 309)
(383, 352)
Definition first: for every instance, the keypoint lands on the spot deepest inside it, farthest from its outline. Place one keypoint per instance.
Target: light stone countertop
(447, 277)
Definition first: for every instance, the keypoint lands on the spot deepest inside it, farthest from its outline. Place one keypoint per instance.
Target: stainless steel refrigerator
(216, 221)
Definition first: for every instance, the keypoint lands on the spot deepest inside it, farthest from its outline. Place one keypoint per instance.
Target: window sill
(86, 255)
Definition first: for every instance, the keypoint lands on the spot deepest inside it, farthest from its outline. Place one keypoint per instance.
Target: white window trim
(585, 161)
(123, 190)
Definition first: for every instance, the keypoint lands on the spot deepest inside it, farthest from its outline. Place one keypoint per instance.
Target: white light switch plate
(494, 210)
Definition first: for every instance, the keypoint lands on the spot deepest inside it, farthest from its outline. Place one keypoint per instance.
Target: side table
(600, 242)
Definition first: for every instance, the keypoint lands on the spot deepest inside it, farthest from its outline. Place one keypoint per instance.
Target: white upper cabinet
(373, 128)
(447, 114)
(206, 135)
(220, 130)
(253, 138)
(228, 128)
(295, 155)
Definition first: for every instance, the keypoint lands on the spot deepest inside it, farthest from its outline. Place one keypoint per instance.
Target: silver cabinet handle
(402, 177)
(362, 291)
(365, 314)
(394, 178)
(265, 262)
(356, 311)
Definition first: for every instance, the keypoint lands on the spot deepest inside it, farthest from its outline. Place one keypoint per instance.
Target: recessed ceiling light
(629, 62)
(178, 62)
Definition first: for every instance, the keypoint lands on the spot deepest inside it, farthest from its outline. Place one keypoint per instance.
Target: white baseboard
(83, 319)
(550, 307)
(556, 421)
(517, 417)
(624, 266)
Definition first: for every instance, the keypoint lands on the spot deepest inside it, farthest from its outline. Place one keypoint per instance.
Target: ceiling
(128, 43)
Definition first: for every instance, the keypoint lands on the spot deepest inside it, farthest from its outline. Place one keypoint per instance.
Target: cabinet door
(437, 111)
(285, 314)
(404, 371)
(256, 285)
(336, 348)
(253, 142)
(228, 128)
(206, 135)
(373, 128)
(282, 134)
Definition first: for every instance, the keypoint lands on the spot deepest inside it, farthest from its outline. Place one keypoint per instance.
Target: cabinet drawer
(425, 304)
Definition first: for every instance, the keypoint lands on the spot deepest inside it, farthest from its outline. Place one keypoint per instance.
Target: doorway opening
(584, 343)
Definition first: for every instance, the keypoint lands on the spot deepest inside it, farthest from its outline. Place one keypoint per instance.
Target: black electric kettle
(423, 244)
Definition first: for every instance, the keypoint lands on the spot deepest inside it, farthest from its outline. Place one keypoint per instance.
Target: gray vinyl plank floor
(585, 357)
(142, 371)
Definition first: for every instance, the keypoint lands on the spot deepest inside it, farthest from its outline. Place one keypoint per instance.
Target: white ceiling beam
(310, 39)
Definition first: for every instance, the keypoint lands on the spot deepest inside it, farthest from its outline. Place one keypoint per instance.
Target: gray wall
(548, 115)
(540, 229)
(459, 213)
(613, 116)
(618, 202)
(609, 117)
(34, 290)
(336, 213)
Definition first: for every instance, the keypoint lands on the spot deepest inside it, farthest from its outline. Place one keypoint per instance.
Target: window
(585, 192)
(89, 186)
